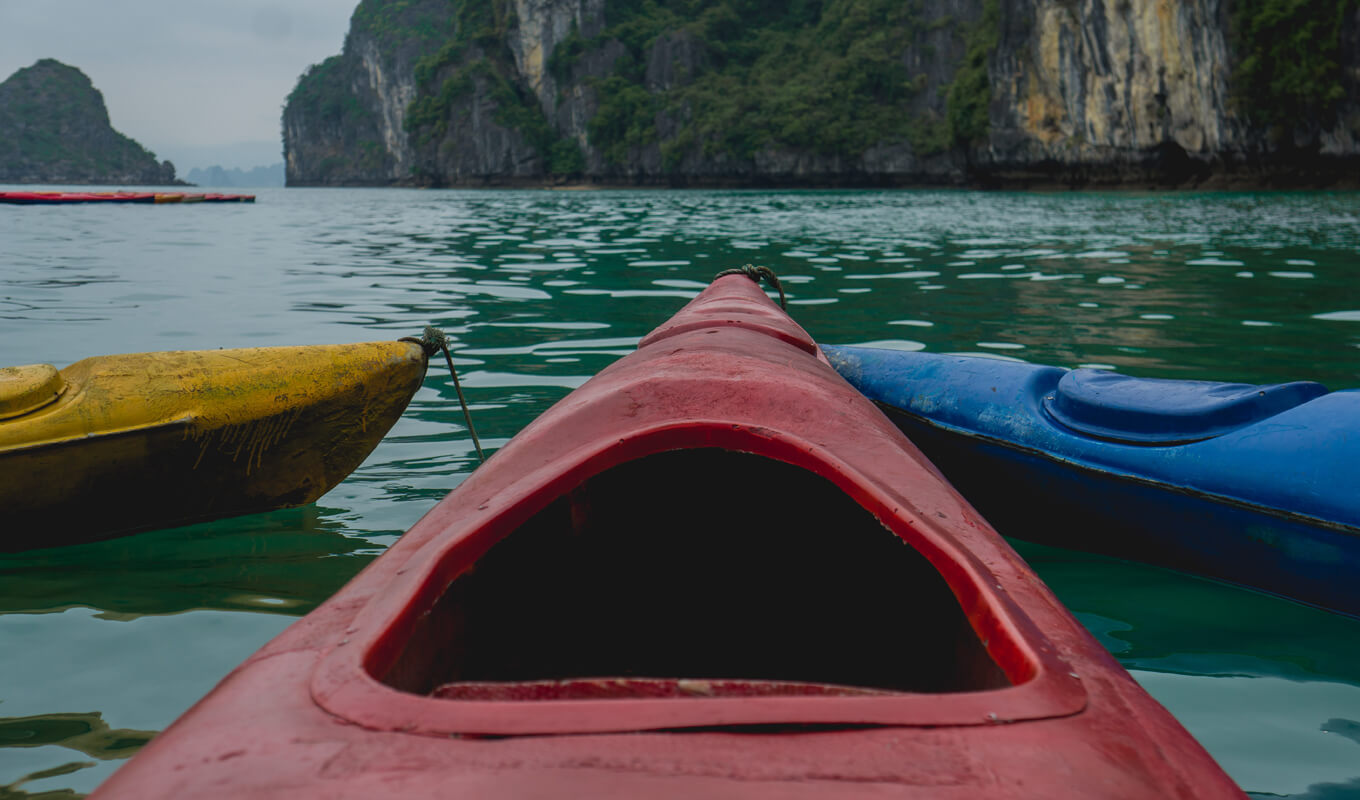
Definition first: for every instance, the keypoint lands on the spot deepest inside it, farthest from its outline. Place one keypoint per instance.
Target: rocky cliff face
(1120, 85)
(54, 128)
(832, 92)
(1124, 91)
(344, 124)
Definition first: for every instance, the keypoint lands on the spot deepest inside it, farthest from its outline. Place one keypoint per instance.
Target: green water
(104, 644)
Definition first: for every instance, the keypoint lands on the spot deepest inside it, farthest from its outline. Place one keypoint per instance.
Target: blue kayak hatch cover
(1151, 411)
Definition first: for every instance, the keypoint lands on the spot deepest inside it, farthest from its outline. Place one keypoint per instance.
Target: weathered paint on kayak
(119, 443)
(714, 570)
(1256, 485)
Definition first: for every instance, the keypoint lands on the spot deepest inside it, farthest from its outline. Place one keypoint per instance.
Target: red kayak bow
(714, 570)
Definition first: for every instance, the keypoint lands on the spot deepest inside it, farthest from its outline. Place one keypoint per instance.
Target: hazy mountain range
(217, 176)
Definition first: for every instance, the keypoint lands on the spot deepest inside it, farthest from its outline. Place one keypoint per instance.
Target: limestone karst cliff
(834, 92)
(1128, 90)
(54, 128)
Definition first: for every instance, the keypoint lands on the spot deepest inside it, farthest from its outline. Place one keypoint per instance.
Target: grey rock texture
(1134, 91)
(472, 145)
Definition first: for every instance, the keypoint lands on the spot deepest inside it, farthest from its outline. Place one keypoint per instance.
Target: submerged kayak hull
(114, 444)
(1268, 502)
(714, 570)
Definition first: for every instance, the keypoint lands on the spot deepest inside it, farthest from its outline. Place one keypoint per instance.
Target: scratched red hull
(712, 571)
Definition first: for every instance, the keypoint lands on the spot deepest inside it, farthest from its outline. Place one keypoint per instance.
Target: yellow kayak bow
(113, 444)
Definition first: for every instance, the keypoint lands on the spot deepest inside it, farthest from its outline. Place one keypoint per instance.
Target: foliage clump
(821, 75)
(826, 76)
(970, 93)
(324, 93)
(476, 58)
(1288, 56)
(392, 21)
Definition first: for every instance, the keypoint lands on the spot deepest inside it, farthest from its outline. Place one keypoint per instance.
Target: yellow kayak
(113, 444)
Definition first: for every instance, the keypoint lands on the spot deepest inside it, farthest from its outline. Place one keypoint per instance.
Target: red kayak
(714, 570)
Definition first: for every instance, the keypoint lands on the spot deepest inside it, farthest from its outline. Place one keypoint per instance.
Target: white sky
(194, 81)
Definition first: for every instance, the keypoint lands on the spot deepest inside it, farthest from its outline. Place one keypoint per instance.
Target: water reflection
(1249, 674)
(87, 734)
(1162, 620)
(285, 561)
(540, 290)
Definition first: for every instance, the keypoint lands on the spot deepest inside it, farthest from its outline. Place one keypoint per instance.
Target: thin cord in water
(432, 342)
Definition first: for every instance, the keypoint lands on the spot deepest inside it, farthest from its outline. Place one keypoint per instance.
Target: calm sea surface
(104, 644)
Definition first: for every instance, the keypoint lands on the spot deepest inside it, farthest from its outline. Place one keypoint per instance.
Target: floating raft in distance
(1254, 485)
(714, 570)
(66, 198)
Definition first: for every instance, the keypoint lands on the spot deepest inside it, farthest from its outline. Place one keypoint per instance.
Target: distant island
(54, 128)
(216, 176)
(1018, 93)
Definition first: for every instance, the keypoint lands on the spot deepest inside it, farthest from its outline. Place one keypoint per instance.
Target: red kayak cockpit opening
(694, 573)
(715, 531)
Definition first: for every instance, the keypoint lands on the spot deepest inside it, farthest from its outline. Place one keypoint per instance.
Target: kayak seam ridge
(1342, 527)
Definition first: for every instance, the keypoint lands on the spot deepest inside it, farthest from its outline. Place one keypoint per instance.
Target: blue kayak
(1254, 485)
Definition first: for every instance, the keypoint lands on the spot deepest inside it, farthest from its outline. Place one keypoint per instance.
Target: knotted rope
(432, 342)
(757, 274)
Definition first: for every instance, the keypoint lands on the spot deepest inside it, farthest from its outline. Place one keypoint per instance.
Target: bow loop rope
(757, 274)
(433, 342)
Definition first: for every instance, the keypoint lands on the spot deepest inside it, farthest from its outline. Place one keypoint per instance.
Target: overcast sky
(197, 82)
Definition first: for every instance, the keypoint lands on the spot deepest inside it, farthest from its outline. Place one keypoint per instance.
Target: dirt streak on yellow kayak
(113, 444)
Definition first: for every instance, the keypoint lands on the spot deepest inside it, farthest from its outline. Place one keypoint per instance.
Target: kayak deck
(712, 570)
(1254, 485)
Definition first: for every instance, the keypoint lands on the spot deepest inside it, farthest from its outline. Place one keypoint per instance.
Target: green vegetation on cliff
(1289, 60)
(332, 106)
(481, 62)
(827, 76)
(971, 90)
(324, 91)
(54, 128)
(476, 53)
(397, 21)
(808, 91)
(706, 81)
(324, 100)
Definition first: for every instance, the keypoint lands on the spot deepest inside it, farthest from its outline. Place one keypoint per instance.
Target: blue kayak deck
(1293, 447)
(1153, 411)
(1256, 485)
